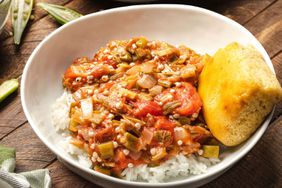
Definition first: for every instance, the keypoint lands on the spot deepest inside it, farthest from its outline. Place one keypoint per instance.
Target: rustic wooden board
(11, 115)
(31, 152)
(277, 62)
(62, 177)
(260, 168)
(267, 27)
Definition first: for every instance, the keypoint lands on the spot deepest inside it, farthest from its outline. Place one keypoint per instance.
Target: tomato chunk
(74, 71)
(104, 134)
(163, 123)
(186, 95)
(121, 160)
(147, 107)
(83, 72)
(190, 100)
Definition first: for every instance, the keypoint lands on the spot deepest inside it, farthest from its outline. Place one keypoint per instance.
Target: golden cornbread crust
(238, 91)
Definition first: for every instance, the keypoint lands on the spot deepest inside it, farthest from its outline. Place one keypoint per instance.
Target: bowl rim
(192, 179)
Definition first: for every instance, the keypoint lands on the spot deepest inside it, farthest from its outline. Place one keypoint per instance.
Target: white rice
(60, 112)
(76, 152)
(60, 120)
(174, 167)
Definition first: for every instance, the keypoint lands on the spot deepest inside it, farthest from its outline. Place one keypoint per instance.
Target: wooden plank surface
(31, 152)
(259, 168)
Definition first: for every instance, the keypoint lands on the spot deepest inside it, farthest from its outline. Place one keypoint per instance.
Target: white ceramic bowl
(200, 29)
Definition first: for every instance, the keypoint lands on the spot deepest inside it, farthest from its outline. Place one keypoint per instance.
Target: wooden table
(262, 167)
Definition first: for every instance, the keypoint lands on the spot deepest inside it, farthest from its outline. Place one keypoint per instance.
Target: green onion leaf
(21, 11)
(60, 13)
(8, 87)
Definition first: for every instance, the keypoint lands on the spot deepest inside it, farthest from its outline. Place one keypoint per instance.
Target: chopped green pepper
(142, 42)
(184, 120)
(102, 170)
(132, 129)
(210, 151)
(170, 106)
(73, 125)
(162, 136)
(126, 57)
(140, 53)
(131, 142)
(106, 150)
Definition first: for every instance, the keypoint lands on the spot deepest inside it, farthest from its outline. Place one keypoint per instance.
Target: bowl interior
(202, 30)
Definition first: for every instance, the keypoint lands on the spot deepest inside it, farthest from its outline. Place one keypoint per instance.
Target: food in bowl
(241, 93)
(133, 111)
(135, 106)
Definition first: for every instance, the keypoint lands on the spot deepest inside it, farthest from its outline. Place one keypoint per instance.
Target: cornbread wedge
(238, 91)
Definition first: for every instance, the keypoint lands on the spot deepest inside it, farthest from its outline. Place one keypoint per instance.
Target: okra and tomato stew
(136, 102)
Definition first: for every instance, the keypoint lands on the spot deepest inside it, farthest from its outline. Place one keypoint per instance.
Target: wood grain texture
(31, 152)
(260, 168)
(267, 27)
(62, 177)
(241, 11)
(277, 63)
(11, 115)
(278, 66)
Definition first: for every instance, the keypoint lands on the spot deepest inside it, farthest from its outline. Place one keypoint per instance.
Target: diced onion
(148, 67)
(167, 51)
(156, 90)
(188, 71)
(84, 133)
(86, 107)
(181, 134)
(147, 135)
(134, 70)
(147, 81)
